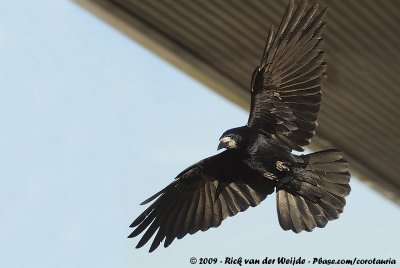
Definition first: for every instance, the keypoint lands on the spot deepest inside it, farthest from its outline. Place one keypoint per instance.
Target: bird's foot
(270, 176)
(281, 166)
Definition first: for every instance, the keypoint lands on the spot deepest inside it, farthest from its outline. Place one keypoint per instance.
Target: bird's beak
(225, 142)
(221, 145)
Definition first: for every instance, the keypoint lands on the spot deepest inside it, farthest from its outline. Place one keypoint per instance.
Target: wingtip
(133, 234)
(315, 6)
(321, 16)
(148, 200)
(271, 29)
(154, 246)
(137, 220)
(285, 19)
(158, 194)
(303, 3)
(323, 13)
(168, 241)
(133, 224)
(141, 243)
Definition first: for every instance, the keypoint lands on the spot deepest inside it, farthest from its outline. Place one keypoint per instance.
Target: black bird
(285, 101)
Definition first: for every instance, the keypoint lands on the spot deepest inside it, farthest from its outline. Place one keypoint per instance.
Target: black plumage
(258, 160)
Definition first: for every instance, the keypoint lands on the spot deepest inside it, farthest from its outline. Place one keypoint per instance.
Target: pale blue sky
(92, 124)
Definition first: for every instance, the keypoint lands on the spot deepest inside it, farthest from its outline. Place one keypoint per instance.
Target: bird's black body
(259, 152)
(258, 160)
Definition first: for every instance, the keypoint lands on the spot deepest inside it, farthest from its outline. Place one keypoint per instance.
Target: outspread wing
(201, 197)
(286, 87)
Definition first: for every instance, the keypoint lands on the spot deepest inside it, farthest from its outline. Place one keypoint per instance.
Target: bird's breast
(263, 154)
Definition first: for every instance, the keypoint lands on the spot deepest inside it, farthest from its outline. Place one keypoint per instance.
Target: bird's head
(233, 138)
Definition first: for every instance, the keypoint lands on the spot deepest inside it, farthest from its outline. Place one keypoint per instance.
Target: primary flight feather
(285, 101)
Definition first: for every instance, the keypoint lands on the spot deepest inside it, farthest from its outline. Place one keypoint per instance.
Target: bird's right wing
(202, 196)
(286, 87)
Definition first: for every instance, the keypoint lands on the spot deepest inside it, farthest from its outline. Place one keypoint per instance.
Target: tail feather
(316, 192)
(326, 156)
(316, 212)
(338, 178)
(284, 210)
(297, 219)
(306, 214)
(333, 167)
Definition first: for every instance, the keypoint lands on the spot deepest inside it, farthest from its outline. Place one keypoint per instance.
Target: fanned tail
(315, 193)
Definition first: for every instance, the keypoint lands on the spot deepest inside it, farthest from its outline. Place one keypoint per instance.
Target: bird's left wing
(201, 197)
(286, 87)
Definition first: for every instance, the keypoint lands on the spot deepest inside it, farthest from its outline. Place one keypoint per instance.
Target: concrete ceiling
(220, 42)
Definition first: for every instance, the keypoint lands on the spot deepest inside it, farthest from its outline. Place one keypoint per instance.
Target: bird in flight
(258, 160)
